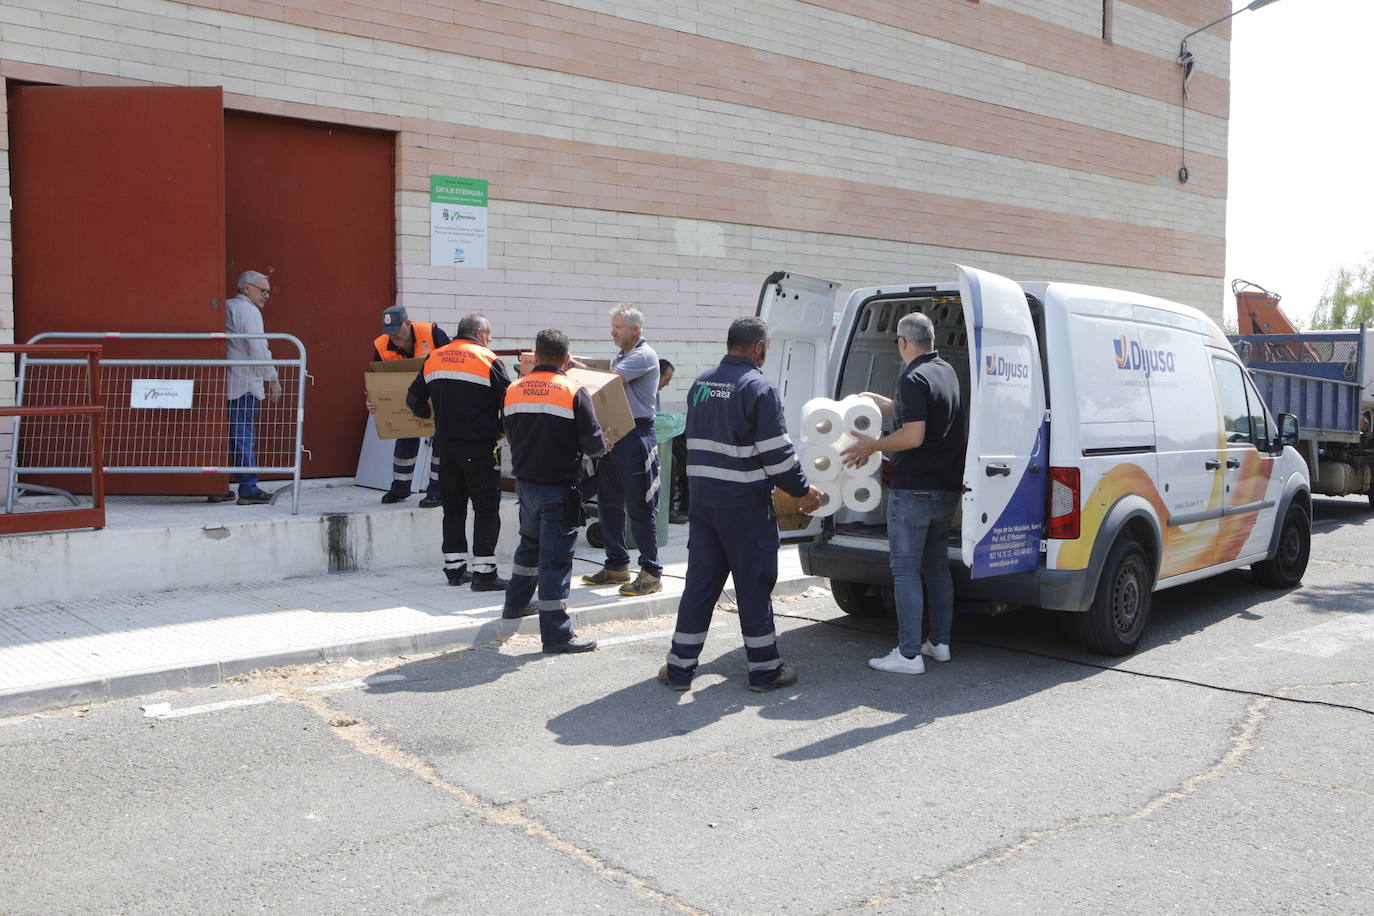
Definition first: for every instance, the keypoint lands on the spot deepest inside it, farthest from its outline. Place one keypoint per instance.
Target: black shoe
(458, 576)
(488, 582)
(786, 678)
(430, 502)
(391, 496)
(515, 613)
(665, 681)
(677, 518)
(576, 644)
(256, 498)
(224, 497)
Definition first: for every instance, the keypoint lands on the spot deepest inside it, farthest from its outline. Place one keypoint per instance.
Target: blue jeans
(627, 484)
(918, 523)
(243, 421)
(548, 534)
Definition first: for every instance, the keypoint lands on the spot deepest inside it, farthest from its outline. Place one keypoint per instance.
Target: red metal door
(119, 226)
(313, 207)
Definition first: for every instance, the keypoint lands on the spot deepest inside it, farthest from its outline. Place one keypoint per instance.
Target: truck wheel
(858, 599)
(594, 535)
(1285, 570)
(1116, 620)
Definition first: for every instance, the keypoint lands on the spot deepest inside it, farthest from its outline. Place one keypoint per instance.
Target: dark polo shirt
(929, 390)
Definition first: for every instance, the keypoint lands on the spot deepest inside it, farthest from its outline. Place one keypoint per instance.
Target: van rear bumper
(1060, 590)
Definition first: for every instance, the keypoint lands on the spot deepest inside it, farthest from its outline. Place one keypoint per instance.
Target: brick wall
(674, 155)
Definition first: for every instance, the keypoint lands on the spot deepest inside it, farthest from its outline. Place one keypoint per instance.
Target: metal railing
(12, 522)
(162, 416)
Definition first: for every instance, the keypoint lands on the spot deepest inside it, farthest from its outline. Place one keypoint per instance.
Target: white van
(1116, 445)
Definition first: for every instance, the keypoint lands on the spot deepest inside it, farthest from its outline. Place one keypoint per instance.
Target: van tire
(1289, 562)
(1115, 621)
(858, 599)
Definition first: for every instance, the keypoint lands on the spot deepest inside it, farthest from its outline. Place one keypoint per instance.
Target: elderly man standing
(627, 479)
(402, 338)
(247, 386)
(466, 385)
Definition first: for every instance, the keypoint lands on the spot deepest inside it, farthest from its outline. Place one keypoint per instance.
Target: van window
(1242, 411)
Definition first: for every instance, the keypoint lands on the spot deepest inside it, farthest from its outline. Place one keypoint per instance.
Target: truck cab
(1115, 445)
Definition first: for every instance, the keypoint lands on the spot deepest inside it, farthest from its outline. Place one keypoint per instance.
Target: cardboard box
(601, 365)
(607, 390)
(387, 383)
(787, 508)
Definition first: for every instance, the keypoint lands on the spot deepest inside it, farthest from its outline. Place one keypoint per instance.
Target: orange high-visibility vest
(542, 392)
(460, 361)
(423, 346)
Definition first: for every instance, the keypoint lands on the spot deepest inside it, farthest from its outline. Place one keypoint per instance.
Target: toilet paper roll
(821, 462)
(832, 497)
(860, 415)
(862, 494)
(821, 421)
(870, 465)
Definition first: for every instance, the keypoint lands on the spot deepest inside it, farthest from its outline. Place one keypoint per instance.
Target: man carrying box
(466, 384)
(402, 338)
(627, 478)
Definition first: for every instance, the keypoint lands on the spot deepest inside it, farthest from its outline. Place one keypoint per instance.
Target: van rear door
(1006, 468)
(800, 312)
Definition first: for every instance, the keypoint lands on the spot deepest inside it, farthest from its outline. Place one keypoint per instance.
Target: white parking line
(165, 710)
(1325, 639)
(357, 682)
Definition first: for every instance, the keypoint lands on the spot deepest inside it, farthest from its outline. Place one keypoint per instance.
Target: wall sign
(457, 221)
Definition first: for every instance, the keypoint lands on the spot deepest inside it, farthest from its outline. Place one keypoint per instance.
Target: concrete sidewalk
(88, 649)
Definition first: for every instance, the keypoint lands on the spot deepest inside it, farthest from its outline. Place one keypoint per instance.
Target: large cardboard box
(527, 362)
(387, 383)
(788, 510)
(607, 391)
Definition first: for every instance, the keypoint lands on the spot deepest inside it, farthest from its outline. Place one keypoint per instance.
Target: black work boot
(488, 582)
(458, 575)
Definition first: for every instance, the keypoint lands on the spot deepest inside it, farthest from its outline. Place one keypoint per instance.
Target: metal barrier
(162, 416)
(12, 522)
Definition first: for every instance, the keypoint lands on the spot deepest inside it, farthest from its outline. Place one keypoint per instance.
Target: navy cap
(393, 318)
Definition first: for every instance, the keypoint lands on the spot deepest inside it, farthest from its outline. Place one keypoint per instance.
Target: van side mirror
(1288, 429)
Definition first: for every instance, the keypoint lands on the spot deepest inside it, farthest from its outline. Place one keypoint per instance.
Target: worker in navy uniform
(627, 479)
(463, 384)
(737, 452)
(402, 338)
(550, 425)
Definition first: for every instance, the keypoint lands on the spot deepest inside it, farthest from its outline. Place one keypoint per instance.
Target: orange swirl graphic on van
(1251, 484)
(1184, 551)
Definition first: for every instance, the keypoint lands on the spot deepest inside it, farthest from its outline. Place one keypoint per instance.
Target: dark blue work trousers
(403, 468)
(627, 483)
(739, 541)
(548, 534)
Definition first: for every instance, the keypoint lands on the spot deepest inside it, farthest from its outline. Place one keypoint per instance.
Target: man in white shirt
(247, 386)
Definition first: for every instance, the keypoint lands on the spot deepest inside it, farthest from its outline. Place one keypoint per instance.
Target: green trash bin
(667, 427)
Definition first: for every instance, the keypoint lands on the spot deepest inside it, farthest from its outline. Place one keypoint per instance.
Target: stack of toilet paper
(828, 428)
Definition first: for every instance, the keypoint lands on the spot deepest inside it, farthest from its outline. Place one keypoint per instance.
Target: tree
(1348, 298)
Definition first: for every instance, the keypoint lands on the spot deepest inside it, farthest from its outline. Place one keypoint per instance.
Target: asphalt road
(1219, 770)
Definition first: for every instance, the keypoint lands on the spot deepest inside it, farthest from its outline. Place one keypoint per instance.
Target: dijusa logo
(995, 366)
(1132, 357)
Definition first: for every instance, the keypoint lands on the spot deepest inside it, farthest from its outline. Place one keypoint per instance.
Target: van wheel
(594, 535)
(858, 599)
(1116, 620)
(1286, 569)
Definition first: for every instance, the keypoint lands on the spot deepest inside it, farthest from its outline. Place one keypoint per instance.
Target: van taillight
(1063, 499)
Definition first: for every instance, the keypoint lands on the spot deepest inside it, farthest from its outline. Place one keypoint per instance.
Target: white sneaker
(898, 663)
(937, 651)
